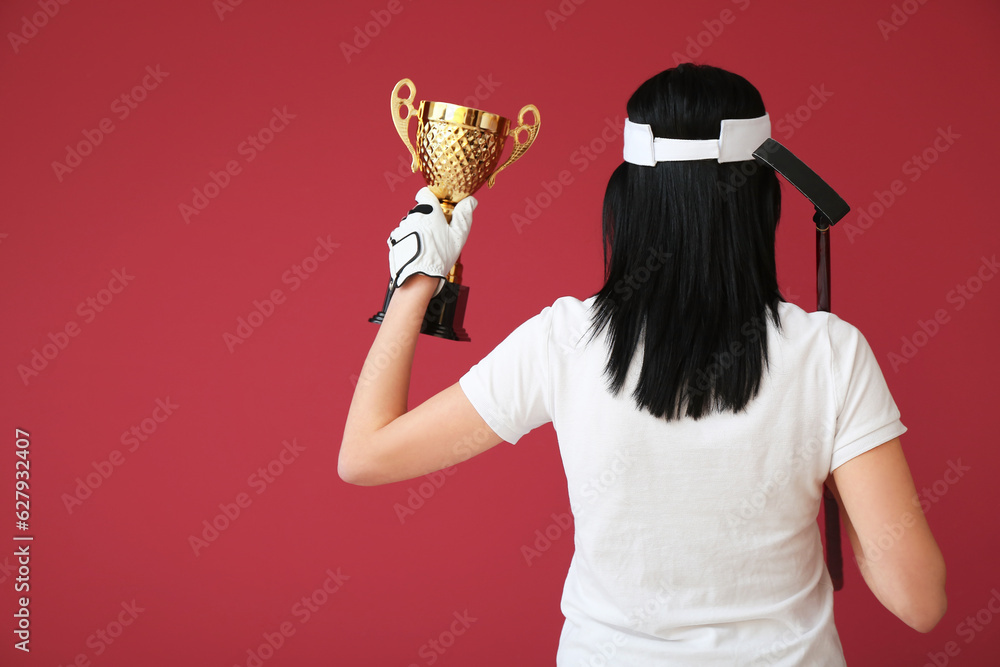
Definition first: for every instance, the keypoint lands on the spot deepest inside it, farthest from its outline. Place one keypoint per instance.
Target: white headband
(738, 139)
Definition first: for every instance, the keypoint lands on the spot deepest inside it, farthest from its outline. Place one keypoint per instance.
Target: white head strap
(738, 139)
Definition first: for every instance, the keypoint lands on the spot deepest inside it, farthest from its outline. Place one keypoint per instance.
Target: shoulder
(824, 337)
(798, 323)
(564, 325)
(568, 320)
(840, 342)
(567, 309)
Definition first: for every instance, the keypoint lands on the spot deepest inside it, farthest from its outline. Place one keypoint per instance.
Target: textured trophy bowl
(458, 147)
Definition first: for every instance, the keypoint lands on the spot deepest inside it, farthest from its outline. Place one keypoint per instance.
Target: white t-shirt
(696, 542)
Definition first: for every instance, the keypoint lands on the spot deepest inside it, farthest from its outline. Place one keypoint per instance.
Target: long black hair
(690, 275)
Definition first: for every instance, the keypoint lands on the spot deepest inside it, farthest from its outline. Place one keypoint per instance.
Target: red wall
(880, 93)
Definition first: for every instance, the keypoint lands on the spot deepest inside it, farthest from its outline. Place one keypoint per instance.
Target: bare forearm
(383, 385)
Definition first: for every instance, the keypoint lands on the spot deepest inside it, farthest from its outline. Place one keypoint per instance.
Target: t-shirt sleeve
(867, 415)
(509, 388)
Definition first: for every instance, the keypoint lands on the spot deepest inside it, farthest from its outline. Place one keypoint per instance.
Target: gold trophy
(458, 149)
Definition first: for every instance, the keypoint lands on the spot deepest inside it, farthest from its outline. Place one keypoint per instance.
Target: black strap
(830, 208)
(826, 200)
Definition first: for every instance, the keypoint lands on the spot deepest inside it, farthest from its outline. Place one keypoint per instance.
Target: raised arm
(895, 550)
(383, 441)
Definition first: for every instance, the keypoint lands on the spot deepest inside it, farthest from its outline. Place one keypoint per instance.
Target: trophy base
(445, 312)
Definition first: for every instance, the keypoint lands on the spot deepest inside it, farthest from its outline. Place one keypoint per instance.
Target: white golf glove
(425, 243)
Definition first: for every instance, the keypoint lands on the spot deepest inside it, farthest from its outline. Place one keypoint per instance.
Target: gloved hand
(425, 243)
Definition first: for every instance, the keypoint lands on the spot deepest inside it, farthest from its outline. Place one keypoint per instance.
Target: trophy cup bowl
(458, 150)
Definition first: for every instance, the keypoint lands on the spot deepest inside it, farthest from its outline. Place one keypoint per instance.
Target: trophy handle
(402, 124)
(520, 147)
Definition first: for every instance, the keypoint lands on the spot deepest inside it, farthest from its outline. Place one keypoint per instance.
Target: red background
(331, 173)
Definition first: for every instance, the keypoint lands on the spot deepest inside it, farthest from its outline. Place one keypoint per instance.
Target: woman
(698, 414)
